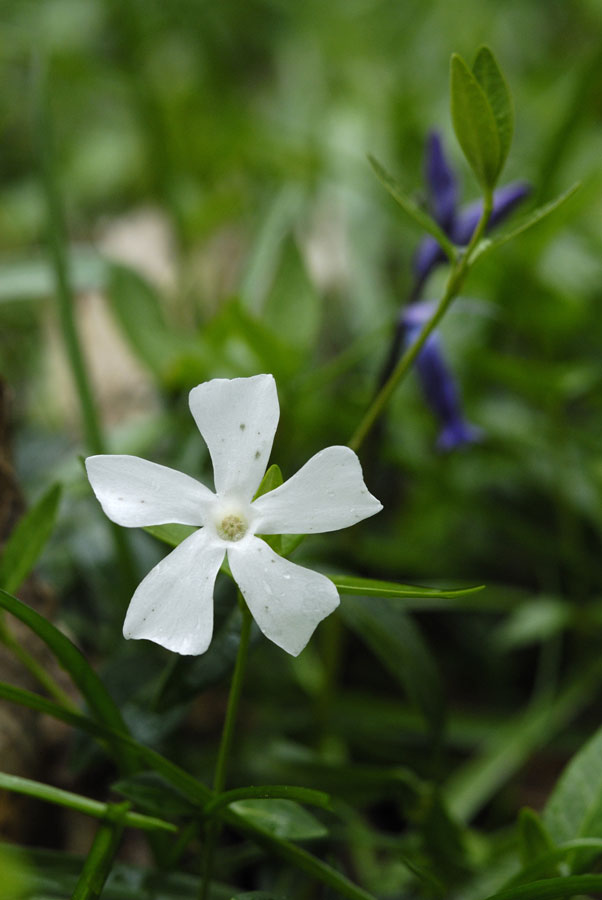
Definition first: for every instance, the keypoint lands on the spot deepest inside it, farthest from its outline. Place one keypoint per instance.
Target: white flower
(173, 606)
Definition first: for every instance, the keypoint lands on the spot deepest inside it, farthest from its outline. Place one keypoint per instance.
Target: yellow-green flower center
(232, 528)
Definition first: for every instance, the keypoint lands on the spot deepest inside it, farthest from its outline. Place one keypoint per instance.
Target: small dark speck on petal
(257, 454)
(120, 498)
(242, 426)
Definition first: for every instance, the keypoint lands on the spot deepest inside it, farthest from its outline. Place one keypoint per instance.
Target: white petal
(173, 606)
(328, 493)
(237, 420)
(135, 492)
(287, 601)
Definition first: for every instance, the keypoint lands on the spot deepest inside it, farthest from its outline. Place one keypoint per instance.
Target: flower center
(232, 528)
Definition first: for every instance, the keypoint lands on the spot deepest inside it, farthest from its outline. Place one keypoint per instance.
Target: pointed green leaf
(574, 809)
(195, 790)
(27, 540)
(281, 818)
(415, 212)
(548, 863)
(396, 640)
(552, 888)
(270, 481)
(533, 838)
(293, 306)
(82, 804)
(368, 587)
(487, 72)
(270, 792)
(170, 534)
(533, 218)
(474, 124)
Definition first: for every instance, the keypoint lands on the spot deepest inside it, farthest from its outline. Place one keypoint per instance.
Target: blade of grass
(72, 660)
(85, 805)
(195, 791)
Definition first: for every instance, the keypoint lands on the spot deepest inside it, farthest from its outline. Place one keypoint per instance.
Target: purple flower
(458, 224)
(437, 382)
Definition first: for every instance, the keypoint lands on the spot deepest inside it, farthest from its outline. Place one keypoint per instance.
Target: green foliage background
(247, 126)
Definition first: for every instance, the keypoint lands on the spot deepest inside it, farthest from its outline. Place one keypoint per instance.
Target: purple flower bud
(442, 183)
(438, 384)
(428, 255)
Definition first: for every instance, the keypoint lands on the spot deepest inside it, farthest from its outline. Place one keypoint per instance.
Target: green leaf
(552, 888)
(533, 218)
(27, 540)
(138, 310)
(270, 792)
(99, 860)
(71, 659)
(194, 790)
(171, 534)
(76, 801)
(574, 809)
(548, 863)
(256, 895)
(150, 792)
(293, 306)
(397, 641)
(16, 879)
(511, 744)
(281, 818)
(474, 124)
(270, 481)
(488, 74)
(415, 212)
(368, 587)
(533, 839)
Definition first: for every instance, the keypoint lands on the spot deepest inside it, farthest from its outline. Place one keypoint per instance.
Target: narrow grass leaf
(411, 208)
(474, 124)
(93, 808)
(368, 587)
(257, 895)
(488, 74)
(28, 539)
(505, 751)
(99, 861)
(533, 218)
(75, 664)
(195, 791)
(551, 888)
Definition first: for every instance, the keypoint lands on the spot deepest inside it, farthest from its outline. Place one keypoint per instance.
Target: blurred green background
(223, 220)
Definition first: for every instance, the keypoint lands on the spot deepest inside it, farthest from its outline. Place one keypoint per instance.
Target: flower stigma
(232, 528)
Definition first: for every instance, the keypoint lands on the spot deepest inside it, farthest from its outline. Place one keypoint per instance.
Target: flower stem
(223, 756)
(455, 281)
